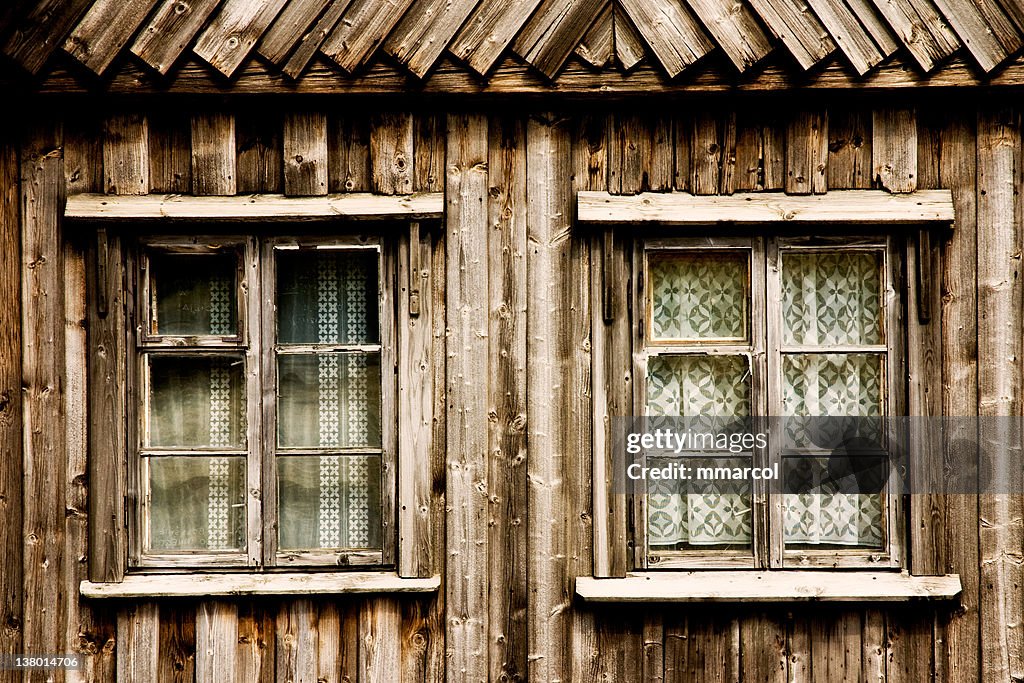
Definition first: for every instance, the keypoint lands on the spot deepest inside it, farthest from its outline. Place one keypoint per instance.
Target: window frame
(256, 298)
(765, 353)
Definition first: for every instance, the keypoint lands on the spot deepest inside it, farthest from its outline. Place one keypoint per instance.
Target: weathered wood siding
(519, 350)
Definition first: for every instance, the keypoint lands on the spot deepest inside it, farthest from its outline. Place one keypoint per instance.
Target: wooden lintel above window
(769, 586)
(151, 586)
(838, 207)
(261, 207)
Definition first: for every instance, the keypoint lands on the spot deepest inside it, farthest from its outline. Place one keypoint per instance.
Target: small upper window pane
(327, 297)
(699, 296)
(193, 294)
(832, 297)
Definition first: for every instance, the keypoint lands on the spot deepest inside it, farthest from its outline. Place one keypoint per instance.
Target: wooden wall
(523, 354)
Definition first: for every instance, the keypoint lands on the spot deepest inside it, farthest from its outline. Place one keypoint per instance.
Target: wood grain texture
(259, 152)
(233, 32)
(288, 28)
(598, 45)
(380, 654)
(999, 385)
(798, 28)
(554, 31)
(170, 31)
(894, 149)
(639, 154)
(875, 25)
(489, 30)
(846, 30)
(736, 30)
(138, 640)
(310, 41)
(214, 156)
(104, 30)
(549, 323)
(177, 658)
(40, 29)
(425, 31)
(170, 152)
(126, 154)
(428, 152)
(670, 30)
(43, 388)
(391, 153)
(284, 583)
(348, 154)
(296, 641)
(921, 29)
(361, 30)
(254, 654)
(807, 153)
(466, 597)
(11, 466)
(849, 149)
(712, 145)
(629, 46)
(305, 154)
(216, 641)
(987, 33)
(760, 151)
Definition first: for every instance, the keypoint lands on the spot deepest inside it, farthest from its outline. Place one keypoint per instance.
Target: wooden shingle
(310, 43)
(598, 45)
(287, 30)
(673, 34)
(425, 31)
(921, 29)
(629, 46)
(735, 28)
(42, 30)
(170, 31)
(104, 30)
(489, 30)
(793, 22)
(234, 30)
(852, 38)
(554, 31)
(361, 29)
(875, 25)
(988, 34)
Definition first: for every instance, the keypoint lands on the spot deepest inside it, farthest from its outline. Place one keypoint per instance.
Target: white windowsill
(769, 586)
(292, 583)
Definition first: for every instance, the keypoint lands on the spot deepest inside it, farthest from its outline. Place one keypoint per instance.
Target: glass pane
(197, 503)
(699, 295)
(832, 297)
(833, 384)
(329, 502)
(327, 297)
(196, 402)
(194, 294)
(823, 507)
(714, 510)
(330, 400)
(698, 385)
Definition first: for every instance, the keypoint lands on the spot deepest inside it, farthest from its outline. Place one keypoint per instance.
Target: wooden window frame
(256, 341)
(764, 351)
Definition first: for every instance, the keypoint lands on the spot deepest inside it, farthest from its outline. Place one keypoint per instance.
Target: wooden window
(732, 330)
(264, 404)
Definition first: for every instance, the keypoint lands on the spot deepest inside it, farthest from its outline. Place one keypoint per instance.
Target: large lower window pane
(327, 297)
(196, 503)
(826, 507)
(698, 385)
(832, 297)
(712, 511)
(196, 402)
(329, 400)
(329, 501)
(193, 294)
(699, 295)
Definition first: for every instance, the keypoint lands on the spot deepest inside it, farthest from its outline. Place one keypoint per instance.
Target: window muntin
(821, 340)
(216, 487)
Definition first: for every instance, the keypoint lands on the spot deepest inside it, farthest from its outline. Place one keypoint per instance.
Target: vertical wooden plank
(216, 640)
(305, 154)
(799, 644)
(760, 154)
(213, 154)
(170, 152)
(380, 640)
(177, 657)
(260, 155)
(11, 465)
(506, 368)
(297, 646)
(43, 390)
(872, 643)
(849, 149)
(836, 648)
(256, 640)
(391, 153)
(428, 166)
(138, 643)
(653, 668)
(549, 326)
(763, 648)
(999, 386)
(620, 655)
(349, 654)
(328, 627)
(348, 154)
(713, 153)
(807, 153)
(957, 171)
(415, 640)
(682, 140)
(83, 154)
(894, 149)
(126, 154)
(909, 654)
(466, 489)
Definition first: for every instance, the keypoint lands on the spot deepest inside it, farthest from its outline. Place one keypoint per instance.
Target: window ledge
(769, 586)
(206, 584)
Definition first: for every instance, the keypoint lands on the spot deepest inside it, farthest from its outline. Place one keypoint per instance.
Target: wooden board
(598, 45)
(670, 30)
(362, 28)
(260, 162)
(554, 31)
(788, 586)
(987, 33)
(629, 46)
(216, 641)
(305, 154)
(807, 153)
(391, 153)
(348, 154)
(289, 27)
(170, 31)
(425, 31)
(233, 31)
(846, 30)
(41, 29)
(800, 31)
(214, 156)
(138, 639)
(736, 30)
(126, 154)
(267, 207)
(312, 39)
(921, 29)
(145, 585)
(855, 207)
(105, 29)
(894, 149)
(489, 30)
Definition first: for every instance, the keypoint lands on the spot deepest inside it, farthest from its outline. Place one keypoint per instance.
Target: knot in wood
(181, 8)
(232, 42)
